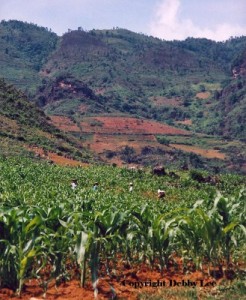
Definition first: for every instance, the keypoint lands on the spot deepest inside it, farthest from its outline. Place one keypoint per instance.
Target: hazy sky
(166, 19)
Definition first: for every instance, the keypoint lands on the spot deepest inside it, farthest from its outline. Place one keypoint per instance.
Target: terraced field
(114, 133)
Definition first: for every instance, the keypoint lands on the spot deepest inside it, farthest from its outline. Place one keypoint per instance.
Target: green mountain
(128, 70)
(24, 48)
(197, 84)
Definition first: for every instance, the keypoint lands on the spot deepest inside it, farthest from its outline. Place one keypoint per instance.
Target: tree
(128, 154)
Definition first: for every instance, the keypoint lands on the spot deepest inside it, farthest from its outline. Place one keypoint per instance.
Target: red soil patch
(55, 158)
(126, 125)
(64, 161)
(102, 142)
(83, 108)
(185, 122)
(130, 283)
(100, 91)
(209, 153)
(203, 95)
(64, 123)
(115, 133)
(163, 101)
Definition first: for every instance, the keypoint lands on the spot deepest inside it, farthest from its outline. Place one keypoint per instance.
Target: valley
(108, 89)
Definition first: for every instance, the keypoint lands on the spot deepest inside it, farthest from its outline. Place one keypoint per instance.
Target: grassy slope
(130, 69)
(23, 50)
(23, 125)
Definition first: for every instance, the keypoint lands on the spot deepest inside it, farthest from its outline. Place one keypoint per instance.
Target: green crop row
(47, 228)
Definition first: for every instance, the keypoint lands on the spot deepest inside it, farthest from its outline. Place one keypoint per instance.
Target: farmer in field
(74, 184)
(161, 194)
(95, 186)
(130, 187)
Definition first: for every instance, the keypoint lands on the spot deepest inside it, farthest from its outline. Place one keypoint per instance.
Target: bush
(196, 175)
(162, 140)
(128, 154)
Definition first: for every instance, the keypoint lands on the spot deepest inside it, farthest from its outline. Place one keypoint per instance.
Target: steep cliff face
(63, 88)
(239, 68)
(67, 95)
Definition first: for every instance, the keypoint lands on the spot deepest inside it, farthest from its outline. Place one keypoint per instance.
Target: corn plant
(231, 212)
(163, 232)
(55, 247)
(18, 243)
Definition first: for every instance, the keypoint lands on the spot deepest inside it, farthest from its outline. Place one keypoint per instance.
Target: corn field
(49, 231)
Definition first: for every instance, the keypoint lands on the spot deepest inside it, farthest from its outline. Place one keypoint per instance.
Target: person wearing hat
(131, 187)
(161, 194)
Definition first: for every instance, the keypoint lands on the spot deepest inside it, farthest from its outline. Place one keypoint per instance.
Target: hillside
(229, 112)
(195, 85)
(24, 48)
(131, 70)
(26, 130)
